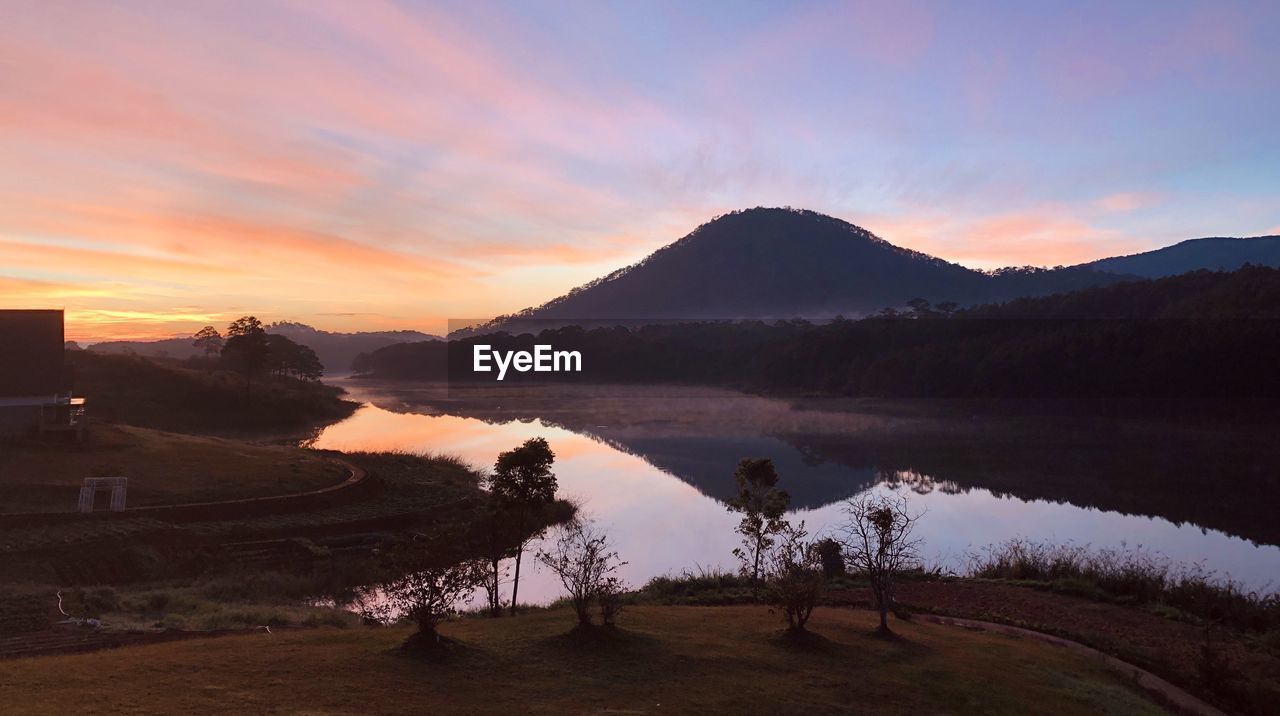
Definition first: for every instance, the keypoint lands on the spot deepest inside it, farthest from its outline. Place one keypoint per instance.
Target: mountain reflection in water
(651, 464)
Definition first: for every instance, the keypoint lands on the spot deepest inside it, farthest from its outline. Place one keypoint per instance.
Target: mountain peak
(746, 264)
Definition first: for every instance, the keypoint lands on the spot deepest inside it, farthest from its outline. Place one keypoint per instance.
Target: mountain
(783, 263)
(1215, 253)
(336, 350)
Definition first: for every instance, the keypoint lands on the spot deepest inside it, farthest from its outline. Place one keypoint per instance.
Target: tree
(522, 480)
(498, 539)
(920, 308)
(831, 555)
(246, 349)
(761, 505)
(288, 357)
(422, 583)
(795, 576)
(244, 326)
(878, 542)
(208, 340)
(581, 557)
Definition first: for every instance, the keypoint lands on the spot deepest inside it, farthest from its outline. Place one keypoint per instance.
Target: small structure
(119, 487)
(35, 385)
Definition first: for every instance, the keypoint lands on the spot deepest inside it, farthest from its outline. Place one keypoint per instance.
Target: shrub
(794, 573)
(581, 557)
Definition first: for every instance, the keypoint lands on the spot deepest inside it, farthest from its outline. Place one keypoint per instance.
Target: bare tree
(581, 556)
(423, 585)
(794, 571)
(878, 542)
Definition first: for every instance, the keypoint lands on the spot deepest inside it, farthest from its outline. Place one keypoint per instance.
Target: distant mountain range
(335, 350)
(1215, 254)
(784, 263)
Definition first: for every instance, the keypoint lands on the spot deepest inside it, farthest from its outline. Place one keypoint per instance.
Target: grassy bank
(166, 395)
(332, 545)
(1132, 576)
(41, 475)
(672, 659)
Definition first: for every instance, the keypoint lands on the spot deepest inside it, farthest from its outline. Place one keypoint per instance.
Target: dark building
(35, 385)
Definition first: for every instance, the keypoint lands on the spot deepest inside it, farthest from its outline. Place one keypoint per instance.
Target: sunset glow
(378, 165)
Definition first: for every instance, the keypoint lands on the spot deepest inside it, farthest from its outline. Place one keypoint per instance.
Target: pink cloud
(1045, 237)
(1127, 201)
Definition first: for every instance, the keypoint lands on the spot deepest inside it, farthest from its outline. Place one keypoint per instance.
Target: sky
(373, 165)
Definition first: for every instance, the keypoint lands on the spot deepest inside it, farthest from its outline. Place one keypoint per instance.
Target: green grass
(43, 475)
(665, 659)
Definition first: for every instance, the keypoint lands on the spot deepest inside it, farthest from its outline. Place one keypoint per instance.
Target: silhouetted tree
(831, 555)
(497, 539)
(761, 505)
(795, 577)
(581, 556)
(246, 349)
(288, 357)
(879, 543)
(523, 481)
(208, 339)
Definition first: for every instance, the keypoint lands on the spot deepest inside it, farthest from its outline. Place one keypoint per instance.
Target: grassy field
(666, 659)
(163, 468)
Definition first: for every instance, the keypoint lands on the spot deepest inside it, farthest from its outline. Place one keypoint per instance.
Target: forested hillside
(1200, 335)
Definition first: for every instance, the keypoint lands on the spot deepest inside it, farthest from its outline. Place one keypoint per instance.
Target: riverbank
(673, 659)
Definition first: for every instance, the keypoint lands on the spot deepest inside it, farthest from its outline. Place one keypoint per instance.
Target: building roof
(31, 353)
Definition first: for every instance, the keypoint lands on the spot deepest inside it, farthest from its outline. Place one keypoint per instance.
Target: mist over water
(651, 465)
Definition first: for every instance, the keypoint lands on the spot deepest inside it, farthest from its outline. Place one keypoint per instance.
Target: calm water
(648, 467)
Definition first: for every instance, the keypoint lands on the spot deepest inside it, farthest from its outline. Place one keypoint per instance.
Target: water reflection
(654, 486)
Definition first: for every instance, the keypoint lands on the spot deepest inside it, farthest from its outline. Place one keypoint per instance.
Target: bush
(709, 586)
(795, 580)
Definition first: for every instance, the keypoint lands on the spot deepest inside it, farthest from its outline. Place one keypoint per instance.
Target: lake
(651, 465)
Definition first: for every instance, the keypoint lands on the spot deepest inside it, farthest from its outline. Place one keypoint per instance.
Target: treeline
(1206, 335)
(244, 378)
(166, 395)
